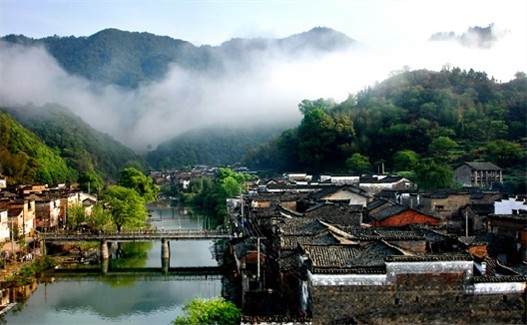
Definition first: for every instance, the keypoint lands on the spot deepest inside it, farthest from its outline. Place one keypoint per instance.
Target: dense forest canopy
(84, 149)
(414, 122)
(219, 146)
(24, 158)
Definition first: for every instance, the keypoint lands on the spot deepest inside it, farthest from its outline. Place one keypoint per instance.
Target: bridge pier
(165, 255)
(105, 265)
(105, 255)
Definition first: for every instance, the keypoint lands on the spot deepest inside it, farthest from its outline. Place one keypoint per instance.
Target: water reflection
(132, 300)
(93, 302)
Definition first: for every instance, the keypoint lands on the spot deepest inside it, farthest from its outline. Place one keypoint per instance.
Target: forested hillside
(417, 123)
(82, 148)
(219, 146)
(25, 159)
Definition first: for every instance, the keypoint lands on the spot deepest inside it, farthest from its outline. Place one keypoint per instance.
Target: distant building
(4, 225)
(510, 205)
(478, 174)
(3, 182)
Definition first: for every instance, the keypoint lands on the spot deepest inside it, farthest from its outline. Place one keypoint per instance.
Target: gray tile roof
(482, 166)
(337, 214)
(328, 190)
(301, 226)
(324, 238)
(378, 203)
(373, 254)
(331, 256)
(388, 212)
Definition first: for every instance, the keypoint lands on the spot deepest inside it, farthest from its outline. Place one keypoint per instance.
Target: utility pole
(466, 223)
(258, 262)
(12, 240)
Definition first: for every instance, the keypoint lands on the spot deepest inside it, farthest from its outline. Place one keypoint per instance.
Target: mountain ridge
(127, 59)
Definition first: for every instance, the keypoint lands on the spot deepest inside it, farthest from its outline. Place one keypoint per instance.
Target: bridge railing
(136, 234)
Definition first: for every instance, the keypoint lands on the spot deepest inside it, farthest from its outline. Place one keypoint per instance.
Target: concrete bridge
(139, 235)
(136, 235)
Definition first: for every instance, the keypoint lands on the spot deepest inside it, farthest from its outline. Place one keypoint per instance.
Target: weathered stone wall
(415, 299)
(449, 204)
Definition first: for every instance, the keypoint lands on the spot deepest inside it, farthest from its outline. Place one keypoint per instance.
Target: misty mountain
(80, 146)
(474, 37)
(128, 59)
(217, 146)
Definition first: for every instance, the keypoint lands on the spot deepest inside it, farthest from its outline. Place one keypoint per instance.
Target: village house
(510, 205)
(478, 174)
(4, 225)
(72, 198)
(331, 268)
(376, 183)
(514, 228)
(350, 195)
(449, 205)
(16, 220)
(48, 212)
(378, 283)
(402, 216)
(298, 178)
(28, 207)
(340, 180)
(3, 182)
(337, 213)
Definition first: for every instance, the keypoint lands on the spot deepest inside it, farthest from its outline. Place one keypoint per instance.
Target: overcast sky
(392, 33)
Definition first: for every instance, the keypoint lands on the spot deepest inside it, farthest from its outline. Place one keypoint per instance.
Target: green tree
(324, 140)
(127, 207)
(358, 164)
(441, 147)
(75, 215)
(504, 153)
(307, 105)
(100, 219)
(405, 160)
(90, 181)
(139, 182)
(432, 175)
(209, 311)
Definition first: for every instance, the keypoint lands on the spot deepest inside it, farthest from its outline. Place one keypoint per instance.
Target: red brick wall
(405, 218)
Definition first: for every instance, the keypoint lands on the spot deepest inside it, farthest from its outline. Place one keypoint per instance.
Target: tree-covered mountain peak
(128, 59)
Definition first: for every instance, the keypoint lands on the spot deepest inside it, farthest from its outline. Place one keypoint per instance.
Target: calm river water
(127, 300)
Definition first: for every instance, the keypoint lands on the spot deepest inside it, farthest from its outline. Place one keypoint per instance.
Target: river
(127, 299)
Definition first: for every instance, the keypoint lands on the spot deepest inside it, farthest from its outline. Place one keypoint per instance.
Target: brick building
(401, 216)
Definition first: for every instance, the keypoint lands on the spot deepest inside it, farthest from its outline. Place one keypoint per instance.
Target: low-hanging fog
(266, 91)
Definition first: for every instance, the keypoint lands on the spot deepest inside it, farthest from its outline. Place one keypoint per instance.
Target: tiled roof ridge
(393, 237)
(428, 258)
(512, 217)
(350, 270)
(397, 248)
(502, 278)
(480, 165)
(337, 231)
